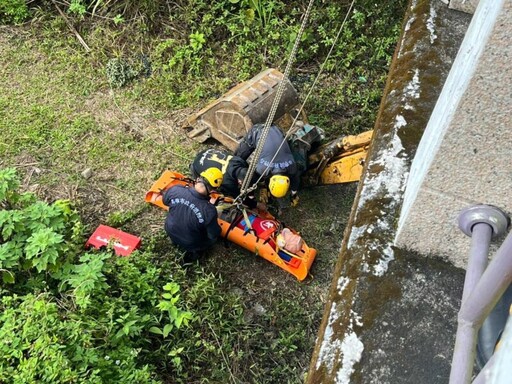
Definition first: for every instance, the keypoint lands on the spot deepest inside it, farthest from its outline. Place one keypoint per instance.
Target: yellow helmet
(213, 176)
(279, 185)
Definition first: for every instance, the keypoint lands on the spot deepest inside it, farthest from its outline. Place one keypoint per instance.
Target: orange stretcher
(256, 231)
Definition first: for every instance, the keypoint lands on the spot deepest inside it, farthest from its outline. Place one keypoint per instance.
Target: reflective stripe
(223, 162)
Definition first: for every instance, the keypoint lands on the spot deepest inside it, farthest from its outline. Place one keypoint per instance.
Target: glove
(294, 200)
(214, 200)
(264, 194)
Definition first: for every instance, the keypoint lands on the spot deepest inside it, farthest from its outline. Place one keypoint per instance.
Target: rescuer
(192, 219)
(276, 162)
(233, 170)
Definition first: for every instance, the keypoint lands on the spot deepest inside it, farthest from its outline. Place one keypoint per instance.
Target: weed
(119, 72)
(93, 310)
(77, 7)
(13, 11)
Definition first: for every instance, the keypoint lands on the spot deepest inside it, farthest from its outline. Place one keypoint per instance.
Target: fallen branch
(80, 39)
(223, 356)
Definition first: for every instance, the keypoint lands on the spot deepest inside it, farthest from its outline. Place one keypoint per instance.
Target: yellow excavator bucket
(341, 161)
(230, 117)
(345, 169)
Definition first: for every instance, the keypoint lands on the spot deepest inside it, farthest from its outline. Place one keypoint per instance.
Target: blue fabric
(192, 221)
(284, 163)
(251, 220)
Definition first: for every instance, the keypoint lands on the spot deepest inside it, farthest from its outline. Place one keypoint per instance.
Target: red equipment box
(123, 242)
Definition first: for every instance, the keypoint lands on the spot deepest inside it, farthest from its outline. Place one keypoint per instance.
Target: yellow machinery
(340, 161)
(230, 117)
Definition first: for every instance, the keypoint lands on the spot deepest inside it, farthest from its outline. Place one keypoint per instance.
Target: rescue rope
(275, 104)
(292, 128)
(252, 167)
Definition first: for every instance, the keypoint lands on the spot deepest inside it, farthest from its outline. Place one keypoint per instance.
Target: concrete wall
(390, 312)
(468, 6)
(465, 155)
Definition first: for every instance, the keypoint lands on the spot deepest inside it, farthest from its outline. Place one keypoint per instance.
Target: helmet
(279, 185)
(213, 176)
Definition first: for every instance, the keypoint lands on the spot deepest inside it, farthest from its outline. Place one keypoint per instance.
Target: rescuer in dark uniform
(282, 171)
(233, 170)
(192, 220)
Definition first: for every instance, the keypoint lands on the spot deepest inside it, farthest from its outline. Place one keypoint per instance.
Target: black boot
(192, 256)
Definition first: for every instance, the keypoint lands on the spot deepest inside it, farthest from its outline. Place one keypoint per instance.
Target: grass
(61, 130)
(59, 112)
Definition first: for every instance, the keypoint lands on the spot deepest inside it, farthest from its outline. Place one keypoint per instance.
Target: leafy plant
(13, 11)
(175, 316)
(130, 324)
(33, 234)
(77, 7)
(43, 248)
(87, 278)
(118, 19)
(9, 184)
(39, 343)
(119, 72)
(188, 58)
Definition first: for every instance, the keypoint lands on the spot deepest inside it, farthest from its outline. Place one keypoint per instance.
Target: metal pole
(464, 351)
(481, 223)
(480, 239)
(495, 280)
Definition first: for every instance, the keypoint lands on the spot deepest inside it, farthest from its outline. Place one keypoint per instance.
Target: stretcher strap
(247, 221)
(232, 225)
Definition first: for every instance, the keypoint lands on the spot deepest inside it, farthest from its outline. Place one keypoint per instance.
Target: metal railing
(483, 286)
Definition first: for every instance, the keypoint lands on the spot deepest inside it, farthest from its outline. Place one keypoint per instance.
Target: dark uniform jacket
(284, 162)
(192, 221)
(229, 165)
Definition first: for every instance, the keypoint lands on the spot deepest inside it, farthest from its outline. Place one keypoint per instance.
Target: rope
(245, 188)
(291, 130)
(275, 104)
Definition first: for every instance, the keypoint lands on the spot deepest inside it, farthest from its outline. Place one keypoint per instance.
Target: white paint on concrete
(451, 95)
(407, 27)
(330, 345)
(387, 183)
(342, 284)
(352, 349)
(358, 320)
(349, 348)
(382, 265)
(355, 234)
(412, 90)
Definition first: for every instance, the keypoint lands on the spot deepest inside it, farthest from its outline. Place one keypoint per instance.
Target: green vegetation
(71, 315)
(13, 11)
